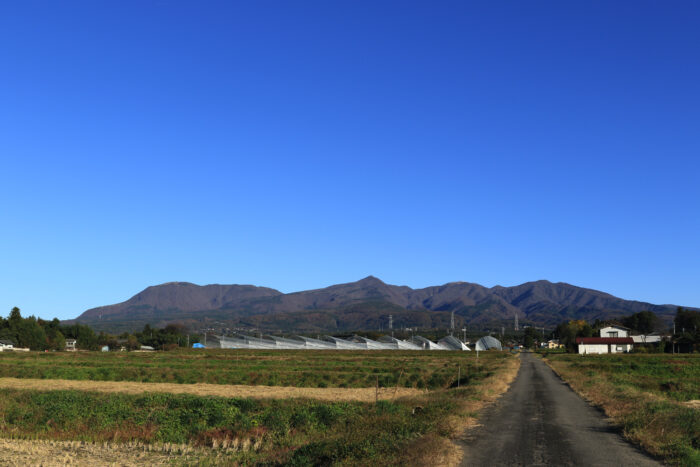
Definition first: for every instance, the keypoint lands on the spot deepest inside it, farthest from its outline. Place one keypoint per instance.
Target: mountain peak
(371, 280)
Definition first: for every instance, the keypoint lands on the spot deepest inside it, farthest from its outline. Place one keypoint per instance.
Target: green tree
(30, 334)
(687, 320)
(14, 320)
(644, 322)
(84, 335)
(132, 343)
(569, 331)
(56, 340)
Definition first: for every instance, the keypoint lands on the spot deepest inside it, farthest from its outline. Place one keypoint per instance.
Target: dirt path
(541, 421)
(221, 390)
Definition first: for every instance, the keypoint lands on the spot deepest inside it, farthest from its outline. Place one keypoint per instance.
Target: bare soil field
(220, 390)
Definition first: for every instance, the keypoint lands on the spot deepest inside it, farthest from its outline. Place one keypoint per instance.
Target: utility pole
(517, 328)
(673, 339)
(452, 323)
(391, 325)
(464, 330)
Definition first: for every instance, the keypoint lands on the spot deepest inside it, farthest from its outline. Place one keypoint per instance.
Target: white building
(613, 339)
(552, 344)
(648, 339)
(70, 344)
(6, 345)
(599, 345)
(614, 331)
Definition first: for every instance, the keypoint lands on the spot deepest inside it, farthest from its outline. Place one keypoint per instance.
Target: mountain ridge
(363, 304)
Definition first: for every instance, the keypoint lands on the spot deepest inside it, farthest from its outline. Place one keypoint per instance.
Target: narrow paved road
(541, 421)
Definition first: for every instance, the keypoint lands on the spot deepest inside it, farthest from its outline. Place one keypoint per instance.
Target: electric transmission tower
(516, 321)
(452, 323)
(391, 325)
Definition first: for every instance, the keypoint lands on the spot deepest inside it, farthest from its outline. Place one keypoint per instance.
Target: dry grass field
(22, 453)
(219, 390)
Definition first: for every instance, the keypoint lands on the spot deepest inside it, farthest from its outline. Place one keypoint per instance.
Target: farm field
(655, 398)
(299, 368)
(158, 422)
(220, 390)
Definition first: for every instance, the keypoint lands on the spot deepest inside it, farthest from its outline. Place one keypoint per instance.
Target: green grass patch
(347, 369)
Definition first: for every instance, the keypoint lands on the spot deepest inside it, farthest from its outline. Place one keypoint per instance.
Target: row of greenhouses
(241, 341)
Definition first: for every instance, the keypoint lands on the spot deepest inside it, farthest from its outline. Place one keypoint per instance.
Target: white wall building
(5, 345)
(614, 331)
(648, 339)
(600, 345)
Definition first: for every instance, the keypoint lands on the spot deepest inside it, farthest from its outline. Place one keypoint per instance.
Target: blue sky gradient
(299, 144)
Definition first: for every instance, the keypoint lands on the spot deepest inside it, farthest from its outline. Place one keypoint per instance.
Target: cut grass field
(654, 397)
(48, 453)
(219, 390)
(349, 369)
(413, 428)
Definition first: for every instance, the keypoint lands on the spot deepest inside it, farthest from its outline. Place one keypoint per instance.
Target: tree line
(38, 334)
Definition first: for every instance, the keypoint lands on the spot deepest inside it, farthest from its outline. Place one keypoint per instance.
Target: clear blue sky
(299, 144)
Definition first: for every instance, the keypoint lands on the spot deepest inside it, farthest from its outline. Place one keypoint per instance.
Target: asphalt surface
(541, 421)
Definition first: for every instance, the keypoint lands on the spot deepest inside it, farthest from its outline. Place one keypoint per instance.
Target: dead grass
(220, 390)
(492, 389)
(21, 453)
(433, 450)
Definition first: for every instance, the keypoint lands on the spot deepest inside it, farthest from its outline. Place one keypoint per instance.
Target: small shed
(105, 348)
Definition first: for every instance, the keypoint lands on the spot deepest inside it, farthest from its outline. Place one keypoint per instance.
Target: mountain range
(362, 305)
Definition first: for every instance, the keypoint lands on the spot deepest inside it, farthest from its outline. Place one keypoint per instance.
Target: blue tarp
(197, 346)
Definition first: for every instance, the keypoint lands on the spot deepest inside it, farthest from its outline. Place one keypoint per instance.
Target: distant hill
(364, 304)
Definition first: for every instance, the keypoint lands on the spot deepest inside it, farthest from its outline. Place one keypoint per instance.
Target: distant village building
(554, 344)
(6, 345)
(71, 344)
(598, 345)
(614, 331)
(647, 339)
(613, 339)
